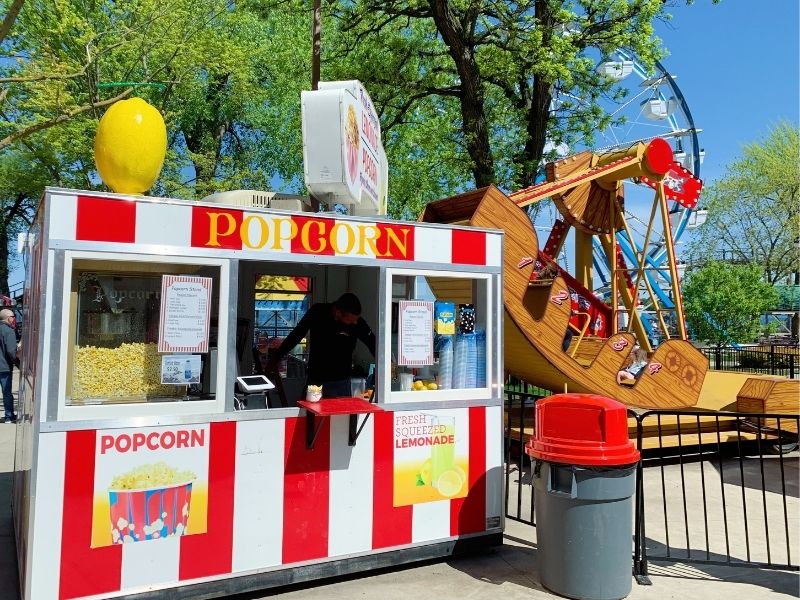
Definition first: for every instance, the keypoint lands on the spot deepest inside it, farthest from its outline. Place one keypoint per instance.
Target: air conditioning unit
(261, 199)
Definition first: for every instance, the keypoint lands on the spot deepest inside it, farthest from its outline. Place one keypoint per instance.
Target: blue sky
(737, 64)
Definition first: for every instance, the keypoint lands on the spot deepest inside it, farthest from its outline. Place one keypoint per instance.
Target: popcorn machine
(137, 471)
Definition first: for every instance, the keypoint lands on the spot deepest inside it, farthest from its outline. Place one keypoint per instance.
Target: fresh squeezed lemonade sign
(431, 456)
(150, 484)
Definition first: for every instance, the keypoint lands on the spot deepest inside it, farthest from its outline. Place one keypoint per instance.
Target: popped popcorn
(131, 369)
(153, 475)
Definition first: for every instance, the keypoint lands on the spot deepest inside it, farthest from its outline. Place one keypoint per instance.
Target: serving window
(141, 332)
(441, 335)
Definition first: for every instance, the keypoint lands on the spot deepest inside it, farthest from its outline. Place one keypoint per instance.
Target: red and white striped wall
(272, 503)
(125, 223)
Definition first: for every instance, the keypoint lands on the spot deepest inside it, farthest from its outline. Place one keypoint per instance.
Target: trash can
(584, 478)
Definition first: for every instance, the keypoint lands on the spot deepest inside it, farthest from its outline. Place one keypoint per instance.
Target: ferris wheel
(652, 107)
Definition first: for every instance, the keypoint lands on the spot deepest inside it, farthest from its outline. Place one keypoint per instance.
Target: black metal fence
(716, 488)
(774, 360)
(518, 414)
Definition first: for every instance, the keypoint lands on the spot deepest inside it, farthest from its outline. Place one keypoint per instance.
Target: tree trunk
(536, 131)
(473, 115)
(539, 111)
(4, 254)
(204, 136)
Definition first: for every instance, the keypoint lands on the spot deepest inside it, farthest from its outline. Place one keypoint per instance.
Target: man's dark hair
(349, 303)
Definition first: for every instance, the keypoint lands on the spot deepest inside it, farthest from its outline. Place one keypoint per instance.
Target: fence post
(791, 365)
(717, 358)
(772, 359)
(639, 540)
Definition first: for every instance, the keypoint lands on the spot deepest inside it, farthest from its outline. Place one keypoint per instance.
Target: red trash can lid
(582, 430)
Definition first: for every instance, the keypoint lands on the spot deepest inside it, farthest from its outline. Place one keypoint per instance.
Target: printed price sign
(415, 333)
(180, 369)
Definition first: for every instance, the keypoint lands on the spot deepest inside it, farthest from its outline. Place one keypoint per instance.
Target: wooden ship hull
(537, 318)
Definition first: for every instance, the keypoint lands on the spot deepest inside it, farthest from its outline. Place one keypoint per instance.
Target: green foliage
(754, 210)
(232, 73)
(724, 302)
(231, 77)
(499, 79)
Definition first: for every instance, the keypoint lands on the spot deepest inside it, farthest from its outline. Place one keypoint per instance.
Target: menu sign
(185, 314)
(415, 333)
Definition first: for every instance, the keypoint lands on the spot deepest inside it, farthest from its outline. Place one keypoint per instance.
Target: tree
(226, 78)
(754, 209)
(501, 78)
(724, 302)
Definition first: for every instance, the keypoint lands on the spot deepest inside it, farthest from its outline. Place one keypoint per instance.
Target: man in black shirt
(335, 328)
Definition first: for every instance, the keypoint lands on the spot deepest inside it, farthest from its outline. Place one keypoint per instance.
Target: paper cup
(313, 396)
(149, 514)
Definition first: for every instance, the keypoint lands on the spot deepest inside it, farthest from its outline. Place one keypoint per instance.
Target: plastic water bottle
(187, 373)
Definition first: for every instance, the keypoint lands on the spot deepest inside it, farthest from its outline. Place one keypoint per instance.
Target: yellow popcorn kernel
(153, 475)
(131, 369)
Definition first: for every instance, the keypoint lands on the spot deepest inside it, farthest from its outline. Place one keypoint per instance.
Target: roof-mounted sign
(344, 158)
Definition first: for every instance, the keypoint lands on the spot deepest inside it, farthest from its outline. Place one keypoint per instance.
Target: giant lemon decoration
(130, 146)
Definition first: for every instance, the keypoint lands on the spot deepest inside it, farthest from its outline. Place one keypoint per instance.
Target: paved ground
(509, 572)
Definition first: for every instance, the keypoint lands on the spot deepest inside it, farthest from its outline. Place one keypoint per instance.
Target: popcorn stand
(142, 465)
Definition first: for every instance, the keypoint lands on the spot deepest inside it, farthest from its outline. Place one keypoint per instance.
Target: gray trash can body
(584, 529)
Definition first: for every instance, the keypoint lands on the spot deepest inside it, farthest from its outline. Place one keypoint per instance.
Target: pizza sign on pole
(342, 150)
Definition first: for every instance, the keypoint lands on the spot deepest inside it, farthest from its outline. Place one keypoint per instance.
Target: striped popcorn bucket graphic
(149, 514)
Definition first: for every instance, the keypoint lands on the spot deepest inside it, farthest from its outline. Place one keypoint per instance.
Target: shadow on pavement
(782, 582)
(509, 563)
(9, 581)
(777, 478)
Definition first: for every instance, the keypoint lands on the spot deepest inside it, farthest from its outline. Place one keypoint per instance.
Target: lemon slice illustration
(425, 472)
(130, 146)
(449, 483)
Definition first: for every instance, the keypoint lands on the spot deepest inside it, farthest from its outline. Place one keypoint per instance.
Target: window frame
(454, 395)
(180, 407)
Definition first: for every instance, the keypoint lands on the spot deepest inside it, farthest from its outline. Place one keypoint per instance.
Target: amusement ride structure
(557, 331)
(576, 328)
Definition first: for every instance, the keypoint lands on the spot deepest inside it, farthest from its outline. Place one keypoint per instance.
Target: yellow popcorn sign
(150, 484)
(431, 456)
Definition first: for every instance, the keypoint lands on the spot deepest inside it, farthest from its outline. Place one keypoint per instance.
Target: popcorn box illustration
(150, 502)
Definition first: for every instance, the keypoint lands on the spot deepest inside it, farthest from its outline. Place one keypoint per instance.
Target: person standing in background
(8, 355)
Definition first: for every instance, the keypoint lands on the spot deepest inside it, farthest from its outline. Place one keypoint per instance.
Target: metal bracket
(355, 432)
(311, 430)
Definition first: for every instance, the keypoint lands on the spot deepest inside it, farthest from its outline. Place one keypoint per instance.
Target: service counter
(139, 469)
